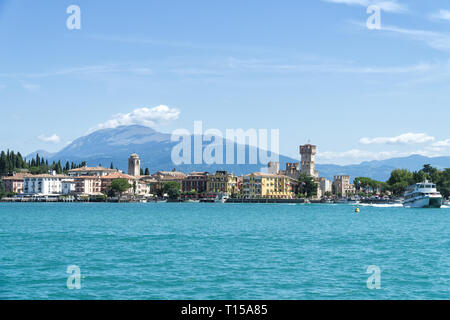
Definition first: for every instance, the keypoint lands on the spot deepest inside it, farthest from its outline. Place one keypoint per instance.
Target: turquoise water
(222, 251)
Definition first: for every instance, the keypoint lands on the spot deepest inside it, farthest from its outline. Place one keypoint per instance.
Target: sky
(310, 68)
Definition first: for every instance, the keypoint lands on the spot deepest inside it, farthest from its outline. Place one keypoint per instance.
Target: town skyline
(317, 71)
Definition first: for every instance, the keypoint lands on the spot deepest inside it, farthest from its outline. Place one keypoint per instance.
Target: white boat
(222, 198)
(423, 195)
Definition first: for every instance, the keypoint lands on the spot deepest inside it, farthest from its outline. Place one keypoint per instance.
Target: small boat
(221, 198)
(423, 195)
(192, 201)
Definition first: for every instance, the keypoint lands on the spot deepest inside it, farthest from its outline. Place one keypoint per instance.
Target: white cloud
(149, 117)
(441, 15)
(50, 139)
(386, 5)
(325, 67)
(436, 40)
(442, 143)
(89, 70)
(406, 138)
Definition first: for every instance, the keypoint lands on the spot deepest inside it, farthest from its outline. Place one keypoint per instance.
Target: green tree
(399, 180)
(444, 183)
(58, 167)
(11, 162)
(119, 186)
(173, 190)
(147, 172)
(307, 185)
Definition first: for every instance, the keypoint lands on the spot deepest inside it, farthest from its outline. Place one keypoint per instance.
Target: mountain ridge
(115, 145)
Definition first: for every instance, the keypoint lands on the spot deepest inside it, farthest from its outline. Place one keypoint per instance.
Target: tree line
(401, 179)
(11, 162)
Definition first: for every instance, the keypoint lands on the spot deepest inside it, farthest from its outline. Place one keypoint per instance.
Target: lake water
(222, 251)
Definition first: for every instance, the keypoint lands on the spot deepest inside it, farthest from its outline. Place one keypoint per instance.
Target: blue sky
(310, 68)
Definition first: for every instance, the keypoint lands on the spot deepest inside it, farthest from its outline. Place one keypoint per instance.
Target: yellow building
(222, 182)
(265, 185)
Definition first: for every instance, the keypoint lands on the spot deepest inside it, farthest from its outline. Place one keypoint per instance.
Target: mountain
(42, 154)
(154, 148)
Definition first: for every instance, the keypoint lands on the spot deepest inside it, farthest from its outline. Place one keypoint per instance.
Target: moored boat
(221, 198)
(423, 195)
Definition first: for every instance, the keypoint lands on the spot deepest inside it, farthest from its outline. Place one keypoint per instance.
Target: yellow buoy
(357, 210)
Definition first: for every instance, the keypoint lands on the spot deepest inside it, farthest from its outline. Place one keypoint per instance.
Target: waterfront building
(134, 165)
(195, 182)
(325, 186)
(91, 171)
(167, 176)
(308, 154)
(107, 180)
(292, 170)
(88, 185)
(44, 184)
(15, 183)
(67, 186)
(221, 182)
(143, 189)
(342, 186)
(240, 185)
(151, 184)
(265, 185)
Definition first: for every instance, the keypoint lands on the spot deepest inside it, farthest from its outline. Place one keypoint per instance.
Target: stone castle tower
(308, 154)
(134, 165)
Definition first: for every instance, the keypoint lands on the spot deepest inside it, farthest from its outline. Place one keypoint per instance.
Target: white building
(68, 186)
(134, 165)
(325, 186)
(43, 184)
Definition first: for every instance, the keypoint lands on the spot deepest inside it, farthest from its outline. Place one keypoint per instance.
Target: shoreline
(233, 201)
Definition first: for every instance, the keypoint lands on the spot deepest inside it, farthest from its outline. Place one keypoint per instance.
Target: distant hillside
(42, 153)
(381, 170)
(154, 148)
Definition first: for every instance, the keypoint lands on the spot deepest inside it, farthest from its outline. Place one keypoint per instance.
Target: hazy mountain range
(154, 148)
